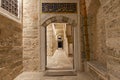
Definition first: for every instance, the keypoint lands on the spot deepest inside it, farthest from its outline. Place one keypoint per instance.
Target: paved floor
(59, 60)
(39, 76)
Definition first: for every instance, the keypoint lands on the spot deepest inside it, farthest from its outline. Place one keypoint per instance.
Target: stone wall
(112, 25)
(50, 40)
(33, 19)
(31, 53)
(10, 48)
(96, 30)
(104, 34)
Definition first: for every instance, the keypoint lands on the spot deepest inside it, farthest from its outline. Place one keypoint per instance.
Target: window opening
(11, 6)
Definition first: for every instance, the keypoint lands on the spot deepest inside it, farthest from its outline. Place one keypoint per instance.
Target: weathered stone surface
(113, 52)
(40, 76)
(111, 9)
(10, 34)
(113, 29)
(114, 67)
(112, 12)
(30, 33)
(31, 64)
(31, 53)
(10, 48)
(104, 33)
(97, 32)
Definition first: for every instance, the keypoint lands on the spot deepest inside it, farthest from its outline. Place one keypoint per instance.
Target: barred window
(11, 6)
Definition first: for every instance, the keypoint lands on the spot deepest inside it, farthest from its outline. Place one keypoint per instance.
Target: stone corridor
(31, 31)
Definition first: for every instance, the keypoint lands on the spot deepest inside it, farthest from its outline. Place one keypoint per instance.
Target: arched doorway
(59, 46)
(70, 23)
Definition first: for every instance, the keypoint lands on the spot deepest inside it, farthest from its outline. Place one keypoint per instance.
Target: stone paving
(59, 60)
(40, 76)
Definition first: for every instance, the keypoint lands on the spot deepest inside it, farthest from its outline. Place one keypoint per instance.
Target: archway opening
(59, 46)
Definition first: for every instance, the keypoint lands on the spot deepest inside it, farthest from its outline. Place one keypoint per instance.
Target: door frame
(60, 19)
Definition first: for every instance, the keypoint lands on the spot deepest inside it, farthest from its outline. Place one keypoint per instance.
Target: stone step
(60, 73)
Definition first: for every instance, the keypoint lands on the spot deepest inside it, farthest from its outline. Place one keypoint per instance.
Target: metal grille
(59, 7)
(11, 6)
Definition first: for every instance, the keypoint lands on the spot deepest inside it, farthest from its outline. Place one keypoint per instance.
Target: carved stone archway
(59, 19)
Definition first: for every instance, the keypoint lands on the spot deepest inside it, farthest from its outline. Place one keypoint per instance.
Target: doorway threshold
(60, 73)
(59, 68)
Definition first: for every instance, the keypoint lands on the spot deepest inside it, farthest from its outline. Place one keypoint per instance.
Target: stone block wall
(51, 40)
(112, 25)
(10, 48)
(106, 34)
(31, 37)
(96, 31)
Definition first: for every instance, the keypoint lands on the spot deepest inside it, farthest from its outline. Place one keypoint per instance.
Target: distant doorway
(59, 47)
